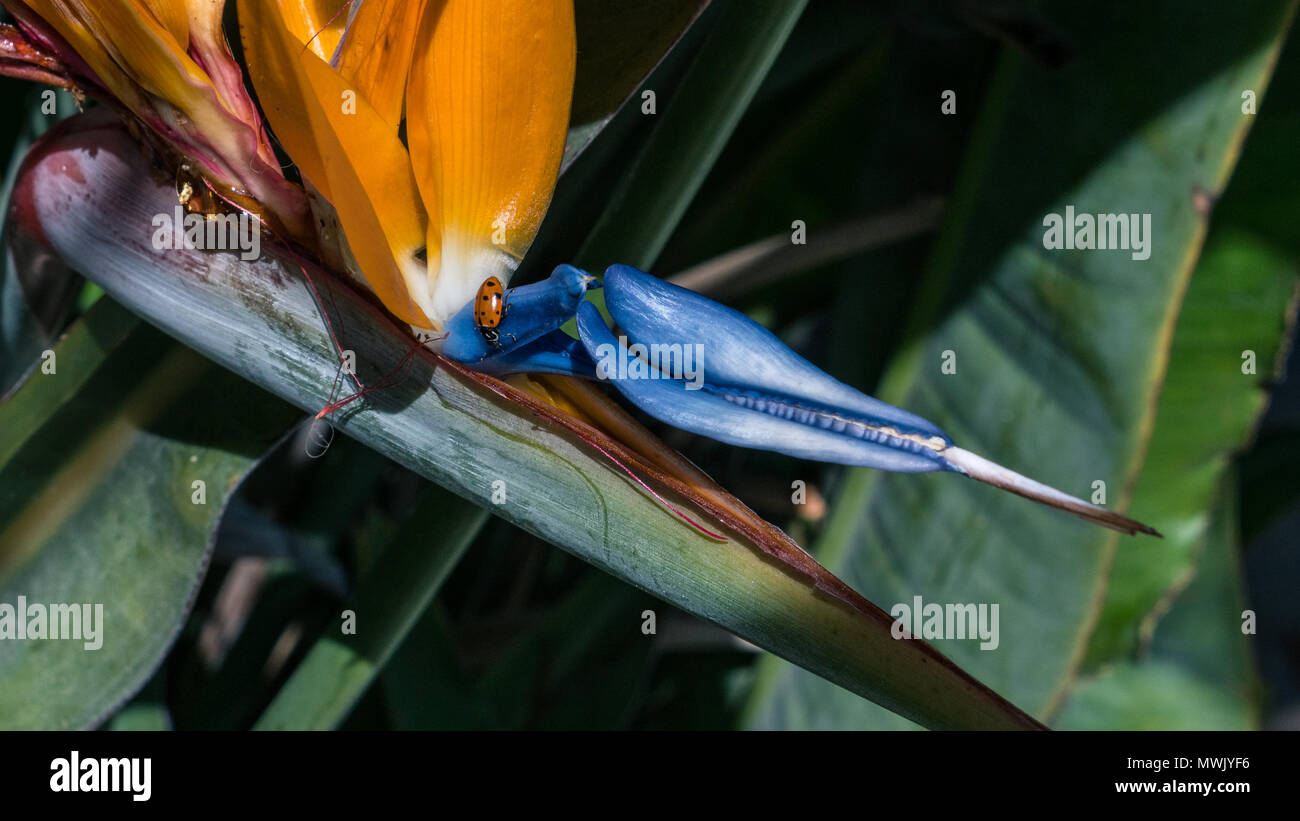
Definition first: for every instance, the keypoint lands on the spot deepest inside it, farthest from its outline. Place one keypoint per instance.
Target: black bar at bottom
(436, 772)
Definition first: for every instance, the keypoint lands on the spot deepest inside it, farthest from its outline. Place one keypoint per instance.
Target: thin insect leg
(338, 380)
(389, 380)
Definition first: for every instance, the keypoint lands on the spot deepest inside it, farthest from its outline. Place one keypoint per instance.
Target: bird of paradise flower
(428, 135)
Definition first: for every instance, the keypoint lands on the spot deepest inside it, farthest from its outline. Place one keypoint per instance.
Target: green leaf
(146, 712)
(1200, 673)
(858, 138)
(619, 44)
(690, 130)
(342, 663)
(1269, 482)
(101, 504)
(467, 432)
(425, 686)
(1205, 632)
(1059, 355)
(1239, 308)
(1239, 300)
(1153, 696)
(577, 669)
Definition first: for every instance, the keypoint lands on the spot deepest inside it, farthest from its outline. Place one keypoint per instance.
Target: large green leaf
(115, 465)
(1059, 354)
(1238, 308)
(476, 436)
(1199, 673)
(1270, 484)
(1238, 302)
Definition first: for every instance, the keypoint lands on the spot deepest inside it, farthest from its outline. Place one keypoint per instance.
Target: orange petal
(172, 16)
(141, 51)
(376, 53)
(318, 24)
(127, 45)
(487, 113)
(348, 151)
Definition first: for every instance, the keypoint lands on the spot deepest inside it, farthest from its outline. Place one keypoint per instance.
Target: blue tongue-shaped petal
(737, 415)
(706, 368)
(740, 354)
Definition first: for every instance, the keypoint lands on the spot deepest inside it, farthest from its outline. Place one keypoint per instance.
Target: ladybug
(490, 309)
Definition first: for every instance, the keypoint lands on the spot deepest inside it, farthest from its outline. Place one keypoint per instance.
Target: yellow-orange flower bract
(485, 88)
(487, 111)
(167, 61)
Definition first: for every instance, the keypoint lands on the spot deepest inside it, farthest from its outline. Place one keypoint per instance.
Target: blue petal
(531, 312)
(754, 416)
(557, 352)
(740, 353)
(703, 367)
